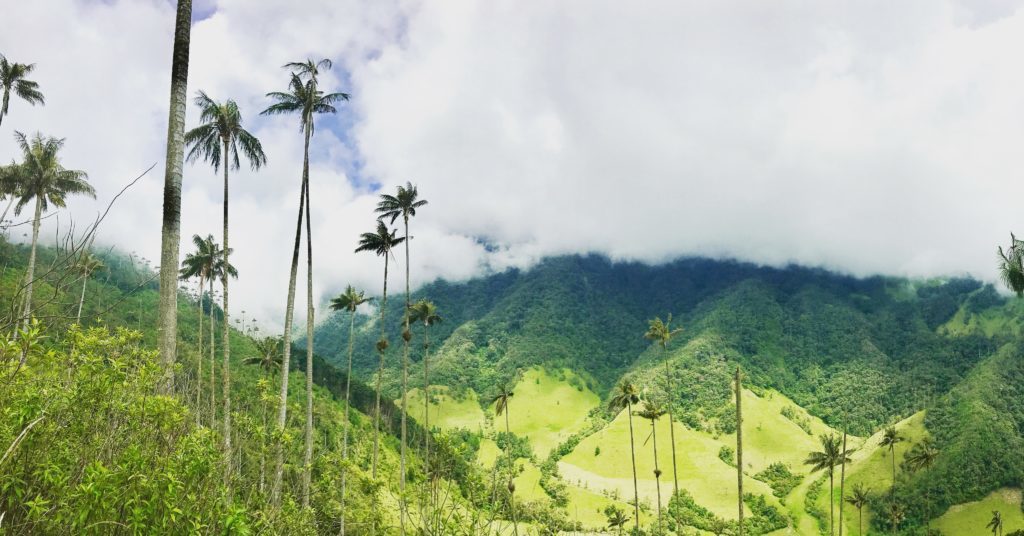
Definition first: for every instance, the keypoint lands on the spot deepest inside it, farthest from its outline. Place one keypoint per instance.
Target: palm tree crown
(349, 300)
(890, 438)
(1011, 266)
(13, 78)
(201, 262)
(270, 354)
(922, 455)
(426, 312)
(860, 496)
(42, 176)
(661, 332)
(624, 396)
(304, 96)
(403, 204)
(501, 399)
(830, 455)
(380, 242)
(996, 523)
(88, 264)
(220, 136)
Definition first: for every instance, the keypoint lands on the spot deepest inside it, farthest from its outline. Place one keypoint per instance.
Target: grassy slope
(971, 518)
(701, 471)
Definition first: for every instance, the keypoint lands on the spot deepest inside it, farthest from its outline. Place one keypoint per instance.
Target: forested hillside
(860, 354)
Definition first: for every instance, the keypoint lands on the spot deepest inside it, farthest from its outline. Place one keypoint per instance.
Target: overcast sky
(875, 137)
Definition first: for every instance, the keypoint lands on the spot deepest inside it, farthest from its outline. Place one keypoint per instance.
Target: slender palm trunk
(263, 445)
(81, 299)
(860, 521)
(30, 275)
(282, 413)
(170, 234)
(380, 372)
(671, 423)
(632, 454)
(512, 465)
(426, 393)
(226, 345)
(348, 424)
(892, 490)
(739, 449)
(213, 362)
(406, 336)
(307, 465)
(199, 373)
(842, 483)
(657, 471)
(831, 502)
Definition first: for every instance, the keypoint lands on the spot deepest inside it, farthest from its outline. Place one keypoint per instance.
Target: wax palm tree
(830, 455)
(425, 312)
(349, 301)
(42, 178)
(13, 77)
(170, 231)
(403, 205)
(217, 142)
(921, 458)
(652, 411)
(617, 519)
(996, 523)
(623, 398)
(662, 334)
(859, 499)
(200, 265)
(500, 402)
(738, 390)
(1011, 266)
(305, 98)
(268, 357)
(890, 438)
(86, 266)
(381, 242)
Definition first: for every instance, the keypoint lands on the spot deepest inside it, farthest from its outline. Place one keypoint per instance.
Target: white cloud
(868, 137)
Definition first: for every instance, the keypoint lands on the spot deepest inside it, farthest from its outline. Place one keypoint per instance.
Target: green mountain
(839, 352)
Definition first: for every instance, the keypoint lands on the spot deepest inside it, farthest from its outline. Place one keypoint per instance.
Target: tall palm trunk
(671, 424)
(348, 424)
(508, 453)
(282, 414)
(842, 483)
(831, 502)
(263, 443)
(739, 448)
(380, 371)
(860, 521)
(426, 393)
(657, 471)
(406, 336)
(81, 299)
(170, 234)
(30, 274)
(307, 465)
(226, 345)
(199, 373)
(213, 362)
(632, 454)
